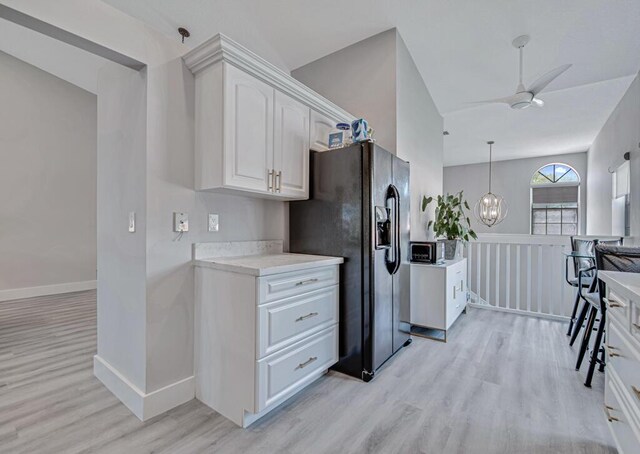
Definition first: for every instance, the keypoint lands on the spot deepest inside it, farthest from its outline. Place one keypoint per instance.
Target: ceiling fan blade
(537, 102)
(546, 79)
(506, 100)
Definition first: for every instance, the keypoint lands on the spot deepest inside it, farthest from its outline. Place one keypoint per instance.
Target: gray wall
(511, 180)
(621, 133)
(419, 130)
(361, 79)
(47, 179)
(377, 79)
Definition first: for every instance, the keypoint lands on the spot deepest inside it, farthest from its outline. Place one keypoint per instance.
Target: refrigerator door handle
(393, 262)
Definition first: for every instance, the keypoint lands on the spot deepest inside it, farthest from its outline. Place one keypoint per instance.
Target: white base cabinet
(261, 339)
(622, 371)
(438, 293)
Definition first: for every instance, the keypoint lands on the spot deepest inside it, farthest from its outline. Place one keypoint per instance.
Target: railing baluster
(478, 271)
(507, 277)
(498, 258)
(518, 289)
(539, 278)
(528, 277)
(488, 276)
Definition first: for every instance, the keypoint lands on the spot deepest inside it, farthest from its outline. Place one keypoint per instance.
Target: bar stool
(587, 273)
(583, 262)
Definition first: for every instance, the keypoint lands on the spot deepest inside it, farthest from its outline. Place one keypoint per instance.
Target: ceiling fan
(524, 97)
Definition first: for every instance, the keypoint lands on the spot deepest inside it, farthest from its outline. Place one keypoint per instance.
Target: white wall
(620, 134)
(511, 180)
(145, 128)
(419, 141)
(47, 179)
(377, 79)
(122, 154)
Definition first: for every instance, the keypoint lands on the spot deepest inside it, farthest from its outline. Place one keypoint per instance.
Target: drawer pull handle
(636, 326)
(305, 282)
(613, 303)
(610, 351)
(304, 317)
(636, 391)
(609, 417)
(307, 362)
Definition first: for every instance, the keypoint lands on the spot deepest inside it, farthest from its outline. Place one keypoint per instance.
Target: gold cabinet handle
(636, 326)
(609, 417)
(610, 351)
(307, 362)
(270, 180)
(304, 317)
(636, 391)
(307, 281)
(613, 303)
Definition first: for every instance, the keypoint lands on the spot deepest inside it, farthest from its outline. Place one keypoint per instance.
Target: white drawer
(623, 357)
(618, 308)
(284, 373)
(278, 286)
(287, 321)
(623, 429)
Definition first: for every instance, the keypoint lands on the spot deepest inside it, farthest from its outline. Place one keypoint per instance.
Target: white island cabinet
(254, 123)
(622, 372)
(266, 327)
(438, 295)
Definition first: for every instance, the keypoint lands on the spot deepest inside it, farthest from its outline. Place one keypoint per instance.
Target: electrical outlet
(214, 226)
(180, 222)
(132, 221)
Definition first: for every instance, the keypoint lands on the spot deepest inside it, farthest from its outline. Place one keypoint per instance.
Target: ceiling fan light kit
(491, 209)
(526, 97)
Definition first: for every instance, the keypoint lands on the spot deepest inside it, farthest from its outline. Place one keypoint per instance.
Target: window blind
(621, 180)
(555, 194)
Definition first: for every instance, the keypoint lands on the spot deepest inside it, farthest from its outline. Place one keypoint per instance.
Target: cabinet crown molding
(221, 48)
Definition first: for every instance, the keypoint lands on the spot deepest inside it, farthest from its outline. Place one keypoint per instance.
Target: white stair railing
(520, 273)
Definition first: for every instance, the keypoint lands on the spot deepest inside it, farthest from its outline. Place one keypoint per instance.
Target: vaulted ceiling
(462, 49)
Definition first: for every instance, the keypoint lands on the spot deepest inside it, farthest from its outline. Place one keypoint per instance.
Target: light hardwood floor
(503, 384)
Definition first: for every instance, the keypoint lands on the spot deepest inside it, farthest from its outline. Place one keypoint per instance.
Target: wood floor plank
(503, 383)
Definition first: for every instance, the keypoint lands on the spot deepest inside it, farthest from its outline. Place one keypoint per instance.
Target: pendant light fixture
(491, 209)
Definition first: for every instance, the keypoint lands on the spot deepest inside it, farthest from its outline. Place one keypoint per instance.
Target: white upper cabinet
(248, 131)
(321, 126)
(291, 147)
(254, 124)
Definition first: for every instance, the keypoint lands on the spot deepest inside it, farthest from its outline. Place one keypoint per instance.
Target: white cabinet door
(248, 131)
(321, 126)
(291, 147)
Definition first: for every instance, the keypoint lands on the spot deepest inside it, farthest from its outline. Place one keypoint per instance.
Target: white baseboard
(144, 406)
(54, 289)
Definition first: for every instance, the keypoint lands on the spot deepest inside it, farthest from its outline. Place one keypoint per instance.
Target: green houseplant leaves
(452, 221)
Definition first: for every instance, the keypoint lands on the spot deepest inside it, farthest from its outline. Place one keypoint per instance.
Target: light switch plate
(214, 226)
(132, 221)
(180, 222)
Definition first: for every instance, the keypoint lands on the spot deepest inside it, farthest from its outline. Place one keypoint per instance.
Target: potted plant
(451, 222)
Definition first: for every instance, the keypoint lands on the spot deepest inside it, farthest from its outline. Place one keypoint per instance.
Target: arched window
(555, 200)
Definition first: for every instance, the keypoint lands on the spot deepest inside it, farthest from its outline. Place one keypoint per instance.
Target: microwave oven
(426, 252)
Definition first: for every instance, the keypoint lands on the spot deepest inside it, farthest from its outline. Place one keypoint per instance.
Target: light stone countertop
(626, 285)
(264, 265)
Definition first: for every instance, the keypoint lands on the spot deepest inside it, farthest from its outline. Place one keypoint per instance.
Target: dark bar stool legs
(573, 314)
(596, 350)
(581, 317)
(586, 336)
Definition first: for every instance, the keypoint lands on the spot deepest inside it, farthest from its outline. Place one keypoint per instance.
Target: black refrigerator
(359, 209)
